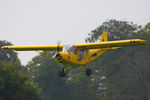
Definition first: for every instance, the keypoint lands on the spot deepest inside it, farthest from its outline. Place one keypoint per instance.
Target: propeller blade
(58, 48)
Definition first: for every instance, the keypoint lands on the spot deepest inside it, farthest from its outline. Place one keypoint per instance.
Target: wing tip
(4, 47)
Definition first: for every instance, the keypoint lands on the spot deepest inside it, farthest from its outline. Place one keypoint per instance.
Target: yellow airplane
(80, 54)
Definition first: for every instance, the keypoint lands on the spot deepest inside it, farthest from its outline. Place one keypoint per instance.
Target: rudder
(104, 37)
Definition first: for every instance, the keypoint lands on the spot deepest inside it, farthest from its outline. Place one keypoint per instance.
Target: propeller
(58, 48)
(57, 54)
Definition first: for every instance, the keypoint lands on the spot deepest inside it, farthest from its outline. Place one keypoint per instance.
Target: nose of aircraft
(58, 55)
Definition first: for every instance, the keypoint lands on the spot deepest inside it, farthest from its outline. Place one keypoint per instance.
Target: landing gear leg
(62, 71)
(88, 72)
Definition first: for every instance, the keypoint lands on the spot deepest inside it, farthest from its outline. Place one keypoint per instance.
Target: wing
(111, 44)
(32, 48)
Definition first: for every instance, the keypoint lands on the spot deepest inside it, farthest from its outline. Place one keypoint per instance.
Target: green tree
(83, 86)
(7, 55)
(76, 86)
(126, 69)
(117, 30)
(45, 71)
(15, 84)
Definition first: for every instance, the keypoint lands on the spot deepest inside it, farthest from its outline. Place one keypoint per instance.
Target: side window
(75, 50)
(81, 54)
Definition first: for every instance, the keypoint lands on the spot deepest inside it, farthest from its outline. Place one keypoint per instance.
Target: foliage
(8, 55)
(54, 87)
(117, 30)
(44, 71)
(127, 73)
(15, 84)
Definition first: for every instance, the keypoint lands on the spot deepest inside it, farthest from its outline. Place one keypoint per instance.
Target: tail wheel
(88, 72)
(62, 72)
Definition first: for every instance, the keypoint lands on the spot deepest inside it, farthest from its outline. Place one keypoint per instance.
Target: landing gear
(62, 71)
(88, 72)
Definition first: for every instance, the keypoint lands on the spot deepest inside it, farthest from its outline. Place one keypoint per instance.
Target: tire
(62, 73)
(88, 72)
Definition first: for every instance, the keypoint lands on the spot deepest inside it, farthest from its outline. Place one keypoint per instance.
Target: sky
(44, 22)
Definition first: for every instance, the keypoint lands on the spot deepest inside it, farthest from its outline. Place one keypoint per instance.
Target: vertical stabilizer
(104, 37)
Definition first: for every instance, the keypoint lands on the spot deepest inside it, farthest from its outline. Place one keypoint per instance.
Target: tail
(104, 37)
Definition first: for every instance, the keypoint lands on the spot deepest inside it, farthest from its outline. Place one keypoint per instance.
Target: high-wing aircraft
(80, 54)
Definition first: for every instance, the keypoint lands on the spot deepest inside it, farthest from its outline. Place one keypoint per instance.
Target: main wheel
(62, 72)
(88, 72)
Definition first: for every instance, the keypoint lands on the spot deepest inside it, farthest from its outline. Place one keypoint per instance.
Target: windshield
(68, 48)
(71, 49)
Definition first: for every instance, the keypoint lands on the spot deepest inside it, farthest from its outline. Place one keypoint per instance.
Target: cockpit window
(75, 50)
(81, 54)
(71, 49)
(68, 48)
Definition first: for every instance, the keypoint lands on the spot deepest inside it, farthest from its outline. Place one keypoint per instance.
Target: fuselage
(78, 58)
